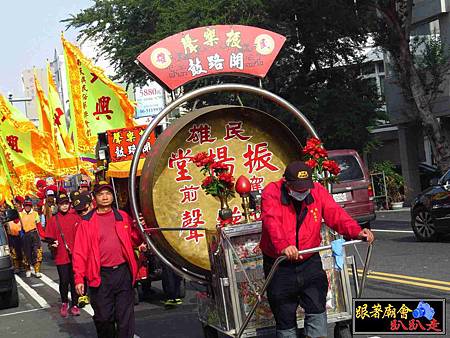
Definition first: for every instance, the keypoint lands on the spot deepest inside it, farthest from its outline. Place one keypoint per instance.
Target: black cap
(81, 201)
(73, 195)
(101, 186)
(62, 198)
(298, 176)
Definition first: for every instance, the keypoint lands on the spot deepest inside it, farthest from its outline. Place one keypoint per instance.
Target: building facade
(403, 141)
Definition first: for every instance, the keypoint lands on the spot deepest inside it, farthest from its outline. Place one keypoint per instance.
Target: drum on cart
(181, 220)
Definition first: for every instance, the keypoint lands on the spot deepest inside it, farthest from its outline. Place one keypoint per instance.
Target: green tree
(420, 65)
(318, 69)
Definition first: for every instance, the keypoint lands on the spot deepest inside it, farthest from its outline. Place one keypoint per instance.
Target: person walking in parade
(31, 241)
(13, 229)
(60, 232)
(18, 203)
(84, 186)
(103, 253)
(82, 203)
(171, 283)
(292, 213)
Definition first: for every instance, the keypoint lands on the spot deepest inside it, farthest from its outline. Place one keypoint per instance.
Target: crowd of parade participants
(95, 248)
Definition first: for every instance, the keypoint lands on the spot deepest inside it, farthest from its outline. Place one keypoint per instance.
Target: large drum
(250, 142)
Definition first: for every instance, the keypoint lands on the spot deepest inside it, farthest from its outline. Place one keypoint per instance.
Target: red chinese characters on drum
(250, 159)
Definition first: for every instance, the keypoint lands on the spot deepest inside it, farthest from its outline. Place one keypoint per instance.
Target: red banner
(123, 142)
(213, 50)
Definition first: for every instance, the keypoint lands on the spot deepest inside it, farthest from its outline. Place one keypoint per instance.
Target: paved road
(401, 267)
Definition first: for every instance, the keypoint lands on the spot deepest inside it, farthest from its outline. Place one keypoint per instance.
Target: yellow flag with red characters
(62, 162)
(97, 104)
(57, 112)
(6, 185)
(25, 149)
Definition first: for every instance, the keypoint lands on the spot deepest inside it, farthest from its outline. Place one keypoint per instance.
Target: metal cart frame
(227, 298)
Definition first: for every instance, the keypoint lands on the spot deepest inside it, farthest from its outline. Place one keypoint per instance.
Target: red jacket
(68, 223)
(86, 255)
(279, 219)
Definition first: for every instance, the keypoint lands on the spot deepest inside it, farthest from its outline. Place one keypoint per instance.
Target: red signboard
(123, 142)
(212, 50)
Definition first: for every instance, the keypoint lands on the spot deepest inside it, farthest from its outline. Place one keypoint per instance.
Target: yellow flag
(23, 146)
(57, 112)
(96, 103)
(6, 189)
(45, 125)
(62, 161)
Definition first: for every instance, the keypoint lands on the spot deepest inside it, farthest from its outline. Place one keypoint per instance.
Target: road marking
(37, 285)
(388, 230)
(433, 281)
(50, 282)
(41, 301)
(407, 282)
(19, 312)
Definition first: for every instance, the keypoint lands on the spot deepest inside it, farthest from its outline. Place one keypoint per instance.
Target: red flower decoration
(315, 156)
(202, 159)
(219, 166)
(218, 181)
(331, 166)
(312, 163)
(207, 181)
(227, 178)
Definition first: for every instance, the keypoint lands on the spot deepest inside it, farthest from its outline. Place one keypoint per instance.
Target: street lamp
(21, 99)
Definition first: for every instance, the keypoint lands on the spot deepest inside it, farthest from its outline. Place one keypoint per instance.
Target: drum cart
(235, 304)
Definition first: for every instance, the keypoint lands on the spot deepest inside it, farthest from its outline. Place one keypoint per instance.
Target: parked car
(354, 189)
(9, 296)
(430, 211)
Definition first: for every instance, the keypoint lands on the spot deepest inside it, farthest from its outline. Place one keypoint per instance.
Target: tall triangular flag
(62, 161)
(57, 112)
(25, 149)
(96, 103)
(45, 124)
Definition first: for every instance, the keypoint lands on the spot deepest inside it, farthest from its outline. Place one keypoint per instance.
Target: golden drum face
(248, 141)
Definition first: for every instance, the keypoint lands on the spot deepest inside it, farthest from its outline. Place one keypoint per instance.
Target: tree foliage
(420, 64)
(312, 71)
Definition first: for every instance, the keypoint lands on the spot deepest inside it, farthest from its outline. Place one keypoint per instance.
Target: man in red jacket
(60, 233)
(103, 253)
(292, 213)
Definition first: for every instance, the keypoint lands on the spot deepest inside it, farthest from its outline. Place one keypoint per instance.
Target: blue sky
(30, 31)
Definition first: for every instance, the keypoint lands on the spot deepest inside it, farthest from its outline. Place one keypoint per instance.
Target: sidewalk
(400, 215)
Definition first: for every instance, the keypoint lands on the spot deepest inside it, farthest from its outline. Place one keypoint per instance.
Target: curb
(402, 215)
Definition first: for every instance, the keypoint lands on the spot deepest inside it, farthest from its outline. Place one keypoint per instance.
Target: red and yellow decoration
(212, 50)
(97, 104)
(240, 139)
(122, 144)
(57, 113)
(24, 148)
(62, 162)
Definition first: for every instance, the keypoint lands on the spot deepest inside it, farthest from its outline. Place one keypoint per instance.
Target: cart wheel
(342, 330)
(209, 332)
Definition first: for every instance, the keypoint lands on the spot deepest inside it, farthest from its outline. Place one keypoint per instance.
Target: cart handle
(281, 259)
